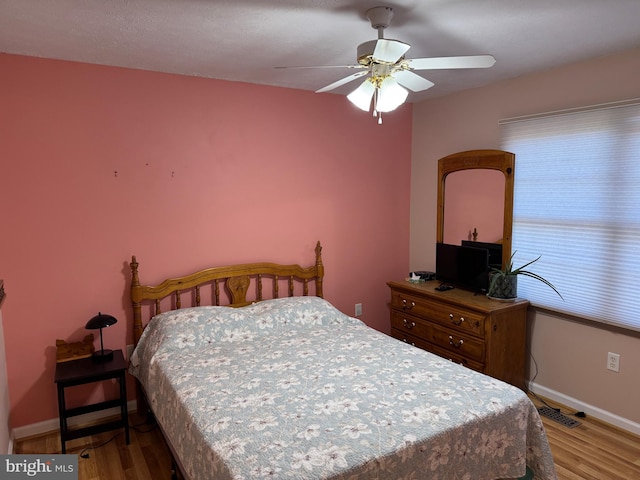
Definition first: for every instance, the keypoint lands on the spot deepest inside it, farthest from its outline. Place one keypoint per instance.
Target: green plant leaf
(519, 269)
(509, 270)
(543, 280)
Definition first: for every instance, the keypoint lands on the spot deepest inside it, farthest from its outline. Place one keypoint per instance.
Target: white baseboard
(53, 424)
(599, 413)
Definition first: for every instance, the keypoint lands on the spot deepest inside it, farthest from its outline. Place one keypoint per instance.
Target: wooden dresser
(483, 334)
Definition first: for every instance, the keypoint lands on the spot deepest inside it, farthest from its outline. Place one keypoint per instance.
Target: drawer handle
(456, 345)
(406, 341)
(458, 322)
(408, 324)
(407, 306)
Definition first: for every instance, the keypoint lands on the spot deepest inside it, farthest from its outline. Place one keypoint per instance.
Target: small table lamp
(101, 321)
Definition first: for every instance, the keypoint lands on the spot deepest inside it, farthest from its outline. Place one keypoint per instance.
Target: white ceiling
(242, 40)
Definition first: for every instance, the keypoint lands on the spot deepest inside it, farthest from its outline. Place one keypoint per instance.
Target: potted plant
(503, 284)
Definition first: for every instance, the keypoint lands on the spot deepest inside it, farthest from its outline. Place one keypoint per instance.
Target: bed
(289, 387)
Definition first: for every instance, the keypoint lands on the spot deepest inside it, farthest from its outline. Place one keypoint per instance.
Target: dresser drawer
(451, 356)
(454, 357)
(456, 343)
(423, 333)
(461, 319)
(409, 324)
(410, 339)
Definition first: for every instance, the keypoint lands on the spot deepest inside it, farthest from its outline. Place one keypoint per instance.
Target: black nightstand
(87, 370)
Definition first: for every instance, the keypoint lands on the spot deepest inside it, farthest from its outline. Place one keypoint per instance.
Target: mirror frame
(480, 159)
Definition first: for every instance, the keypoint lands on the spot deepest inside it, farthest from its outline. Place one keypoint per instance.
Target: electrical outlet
(358, 309)
(613, 362)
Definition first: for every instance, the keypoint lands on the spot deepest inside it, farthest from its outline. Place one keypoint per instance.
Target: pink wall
(100, 163)
(474, 200)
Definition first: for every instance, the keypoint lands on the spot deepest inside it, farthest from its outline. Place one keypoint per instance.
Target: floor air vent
(556, 416)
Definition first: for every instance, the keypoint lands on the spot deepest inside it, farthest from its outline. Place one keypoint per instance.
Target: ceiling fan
(388, 73)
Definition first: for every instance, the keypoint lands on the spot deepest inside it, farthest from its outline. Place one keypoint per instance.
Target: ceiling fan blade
(361, 96)
(413, 82)
(342, 81)
(321, 66)
(436, 63)
(389, 51)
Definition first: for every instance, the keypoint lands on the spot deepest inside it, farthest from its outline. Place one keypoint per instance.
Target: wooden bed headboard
(236, 279)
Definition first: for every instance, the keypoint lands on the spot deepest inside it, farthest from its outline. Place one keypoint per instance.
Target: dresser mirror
(476, 184)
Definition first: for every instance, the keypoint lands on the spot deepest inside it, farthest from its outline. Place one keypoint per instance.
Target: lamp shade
(361, 96)
(390, 95)
(101, 321)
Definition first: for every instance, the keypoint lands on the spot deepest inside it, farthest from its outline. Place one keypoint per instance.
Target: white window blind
(577, 204)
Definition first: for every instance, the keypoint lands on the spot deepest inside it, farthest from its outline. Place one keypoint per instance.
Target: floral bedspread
(293, 388)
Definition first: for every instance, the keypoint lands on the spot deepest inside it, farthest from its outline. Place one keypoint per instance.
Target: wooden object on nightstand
(483, 334)
(65, 352)
(87, 370)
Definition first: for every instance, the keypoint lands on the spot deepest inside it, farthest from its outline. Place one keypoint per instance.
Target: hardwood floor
(146, 457)
(591, 451)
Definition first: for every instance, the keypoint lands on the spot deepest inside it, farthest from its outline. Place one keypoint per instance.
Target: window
(577, 204)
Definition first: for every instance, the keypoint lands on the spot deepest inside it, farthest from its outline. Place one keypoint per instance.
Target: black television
(495, 251)
(447, 263)
(462, 266)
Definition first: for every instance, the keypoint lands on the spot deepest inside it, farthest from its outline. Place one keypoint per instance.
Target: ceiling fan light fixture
(389, 74)
(390, 95)
(361, 96)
